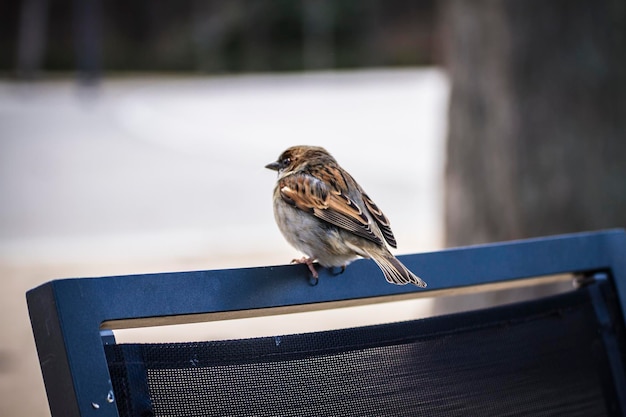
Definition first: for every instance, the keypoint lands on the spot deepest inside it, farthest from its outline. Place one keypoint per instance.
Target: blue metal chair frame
(68, 315)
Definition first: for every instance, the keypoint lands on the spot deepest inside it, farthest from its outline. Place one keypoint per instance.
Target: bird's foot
(309, 262)
(338, 270)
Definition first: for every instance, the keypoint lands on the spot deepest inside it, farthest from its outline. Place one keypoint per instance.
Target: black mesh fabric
(541, 358)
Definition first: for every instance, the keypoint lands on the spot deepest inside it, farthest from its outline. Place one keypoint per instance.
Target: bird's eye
(286, 162)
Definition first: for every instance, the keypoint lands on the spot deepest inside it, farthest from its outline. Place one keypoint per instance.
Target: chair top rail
(233, 290)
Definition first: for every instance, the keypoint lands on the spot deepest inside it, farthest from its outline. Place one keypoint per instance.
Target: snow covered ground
(174, 166)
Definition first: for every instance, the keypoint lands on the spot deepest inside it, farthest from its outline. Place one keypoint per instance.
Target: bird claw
(333, 270)
(309, 263)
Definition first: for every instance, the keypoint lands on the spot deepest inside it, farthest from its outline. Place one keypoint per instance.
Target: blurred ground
(146, 174)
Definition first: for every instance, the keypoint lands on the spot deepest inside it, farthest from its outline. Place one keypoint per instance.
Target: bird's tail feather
(395, 272)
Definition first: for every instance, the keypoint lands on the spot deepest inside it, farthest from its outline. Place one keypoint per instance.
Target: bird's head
(294, 157)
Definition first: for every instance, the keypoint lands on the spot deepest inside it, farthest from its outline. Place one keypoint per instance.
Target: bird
(325, 214)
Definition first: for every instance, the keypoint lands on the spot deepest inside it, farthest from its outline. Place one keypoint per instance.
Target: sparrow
(324, 213)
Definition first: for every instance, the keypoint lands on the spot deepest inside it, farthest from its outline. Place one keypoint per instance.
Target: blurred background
(133, 136)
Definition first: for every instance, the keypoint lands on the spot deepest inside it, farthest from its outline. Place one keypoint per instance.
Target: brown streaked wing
(312, 195)
(344, 212)
(381, 220)
(304, 192)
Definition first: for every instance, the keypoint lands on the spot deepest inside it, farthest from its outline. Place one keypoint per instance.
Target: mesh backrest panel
(539, 358)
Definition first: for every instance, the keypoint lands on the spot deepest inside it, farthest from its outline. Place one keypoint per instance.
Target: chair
(561, 355)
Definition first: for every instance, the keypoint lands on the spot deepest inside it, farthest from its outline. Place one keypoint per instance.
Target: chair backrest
(563, 354)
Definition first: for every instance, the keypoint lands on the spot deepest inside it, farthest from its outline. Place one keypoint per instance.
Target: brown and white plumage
(323, 212)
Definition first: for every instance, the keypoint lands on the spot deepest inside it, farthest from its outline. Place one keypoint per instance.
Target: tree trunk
(537, 118)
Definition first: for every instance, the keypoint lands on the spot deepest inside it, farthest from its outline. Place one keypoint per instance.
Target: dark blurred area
(536, 123)
(214, 36)
(537, 118)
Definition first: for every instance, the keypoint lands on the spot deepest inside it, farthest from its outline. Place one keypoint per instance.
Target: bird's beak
(274, 166)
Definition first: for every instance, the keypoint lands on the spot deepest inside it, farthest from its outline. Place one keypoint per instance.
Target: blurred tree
(256, 34)
(210, 23)
(537, 128)
(318, 49)
(537, 118)
(213, 36)
(31, 37)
